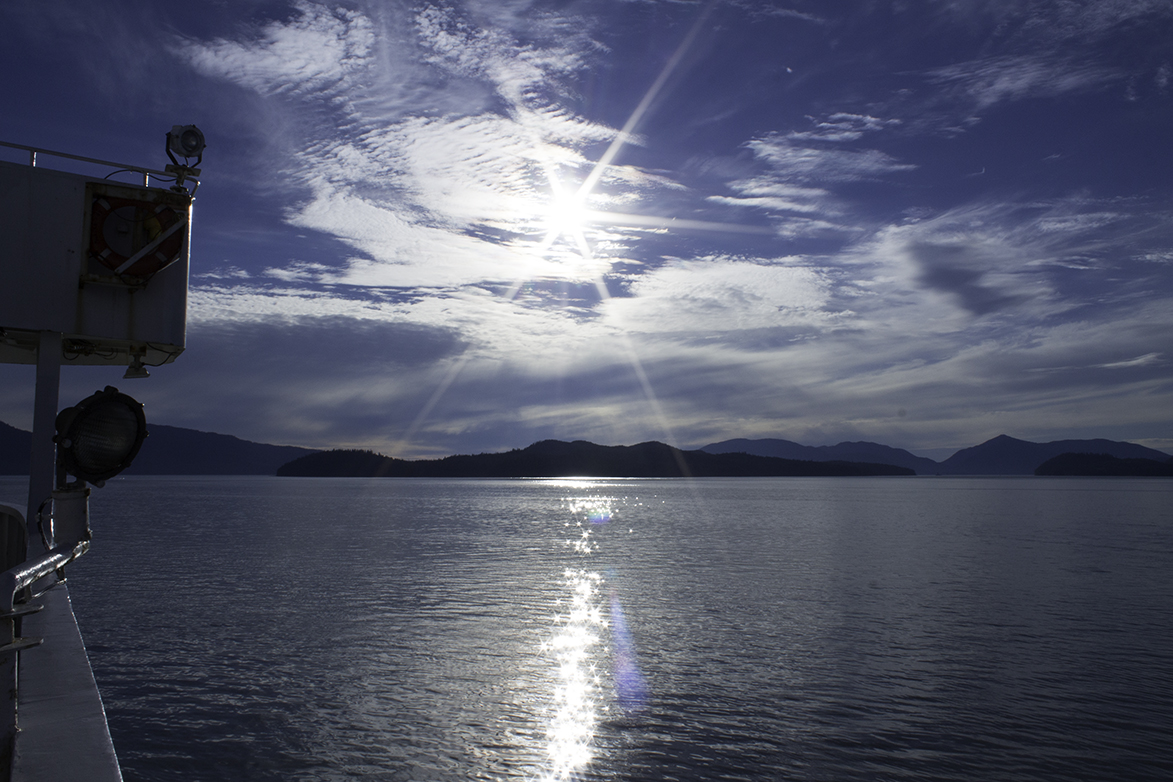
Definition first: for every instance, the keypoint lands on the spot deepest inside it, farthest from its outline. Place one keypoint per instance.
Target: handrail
(177, 174)
(13, 580)
(34, 151)
(12, 583)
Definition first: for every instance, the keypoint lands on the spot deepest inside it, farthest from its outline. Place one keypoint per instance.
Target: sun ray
(453, 372)
(652, 221)
(621, 139)
(568, 216)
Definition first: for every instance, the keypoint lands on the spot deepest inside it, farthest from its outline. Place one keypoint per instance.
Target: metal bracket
(24, 609)
(19, 645)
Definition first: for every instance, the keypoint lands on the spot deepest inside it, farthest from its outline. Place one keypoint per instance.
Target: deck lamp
(96, 439)
(99, 436)
(187, 141)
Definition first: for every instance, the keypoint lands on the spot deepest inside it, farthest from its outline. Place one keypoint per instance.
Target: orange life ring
(133, 237)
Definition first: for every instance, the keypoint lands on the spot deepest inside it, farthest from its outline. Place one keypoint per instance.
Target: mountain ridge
(845, 451)
(1103, 465)
(173, 450)
(1001, 455)
(1005, 455)
(560, 459)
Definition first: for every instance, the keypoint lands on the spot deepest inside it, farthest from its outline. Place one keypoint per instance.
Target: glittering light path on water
(577, 693)
(578, 646)
(576, 696)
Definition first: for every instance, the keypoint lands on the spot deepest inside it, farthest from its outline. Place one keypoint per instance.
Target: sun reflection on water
(587, 618)
(576, 695)
(579, 625)
(596, 510)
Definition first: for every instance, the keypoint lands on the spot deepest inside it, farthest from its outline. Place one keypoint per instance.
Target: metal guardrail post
(8, 695)
(43, 453)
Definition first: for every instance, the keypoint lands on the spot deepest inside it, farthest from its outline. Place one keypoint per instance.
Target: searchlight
(186, 141)
(99, 436)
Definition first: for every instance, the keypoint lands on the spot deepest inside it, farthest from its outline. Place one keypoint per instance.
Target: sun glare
(564, 221)
(566, 216)
(576, 704)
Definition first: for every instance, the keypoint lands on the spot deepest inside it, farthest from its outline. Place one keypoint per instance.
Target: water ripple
(824, 629)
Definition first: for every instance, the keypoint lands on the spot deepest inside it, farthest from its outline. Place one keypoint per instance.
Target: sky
(460, 227)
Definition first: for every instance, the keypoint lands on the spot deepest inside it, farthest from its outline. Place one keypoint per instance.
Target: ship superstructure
(93, 271)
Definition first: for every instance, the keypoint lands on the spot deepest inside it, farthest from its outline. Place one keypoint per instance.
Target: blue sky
(429, 228)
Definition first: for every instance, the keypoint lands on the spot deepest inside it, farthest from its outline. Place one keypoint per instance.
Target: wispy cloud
(519, 72)
(760, 10)
(953, 268)
(423, 198)
(1047, 23)
(798, 171)
(719, 296)
(431, 142)
(795, 210)
(318, 51)
(1140, 361)
(1007, 78)
(802, 163)
(842, 126)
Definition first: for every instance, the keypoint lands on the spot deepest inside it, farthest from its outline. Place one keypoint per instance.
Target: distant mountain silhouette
(171, 450)
(1007, 456)
(557, 459)
(1002, 455)
(847, 451)
(1104, 464)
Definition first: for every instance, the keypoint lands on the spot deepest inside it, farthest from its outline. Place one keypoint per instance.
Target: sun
(566, 215)
(563, 221)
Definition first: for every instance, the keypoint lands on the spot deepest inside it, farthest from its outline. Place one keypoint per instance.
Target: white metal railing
(146, 172)
(15, 584)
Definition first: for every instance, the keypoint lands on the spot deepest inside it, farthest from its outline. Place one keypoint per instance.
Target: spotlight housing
(186, 141)
(99, 436)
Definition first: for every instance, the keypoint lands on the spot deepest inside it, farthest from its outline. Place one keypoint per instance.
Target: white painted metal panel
(51, 278)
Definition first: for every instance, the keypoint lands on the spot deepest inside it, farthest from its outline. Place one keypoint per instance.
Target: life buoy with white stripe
(133, 237)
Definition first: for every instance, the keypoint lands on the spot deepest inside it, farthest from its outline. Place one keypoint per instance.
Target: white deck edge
(63, 733)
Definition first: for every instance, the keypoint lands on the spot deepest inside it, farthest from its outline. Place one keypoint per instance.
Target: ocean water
(719, 629)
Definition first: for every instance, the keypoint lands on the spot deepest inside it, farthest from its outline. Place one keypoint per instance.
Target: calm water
(752, 629)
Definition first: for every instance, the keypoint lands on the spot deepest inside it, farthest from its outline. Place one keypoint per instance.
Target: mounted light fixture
(99, 436)
(186, 141)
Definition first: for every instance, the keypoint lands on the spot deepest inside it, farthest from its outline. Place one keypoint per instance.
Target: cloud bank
(943, 248)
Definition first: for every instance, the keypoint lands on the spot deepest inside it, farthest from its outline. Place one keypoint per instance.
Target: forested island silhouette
(173, 450)
(557, 459)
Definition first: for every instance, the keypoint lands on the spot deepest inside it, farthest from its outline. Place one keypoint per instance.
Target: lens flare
(630, 689)
(596, 510)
